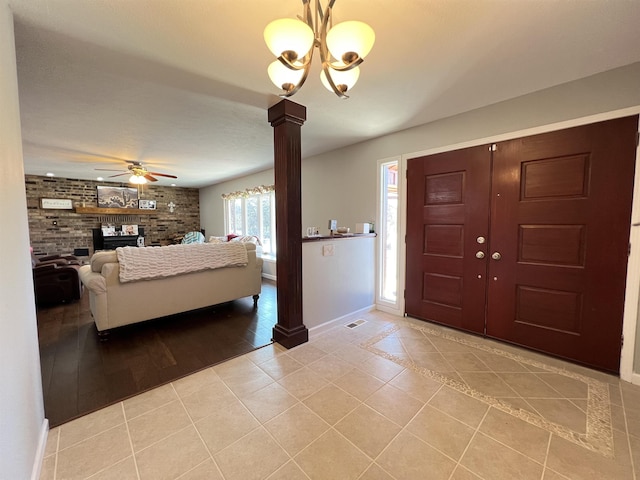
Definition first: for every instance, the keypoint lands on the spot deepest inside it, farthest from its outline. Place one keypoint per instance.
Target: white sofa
(114, 303)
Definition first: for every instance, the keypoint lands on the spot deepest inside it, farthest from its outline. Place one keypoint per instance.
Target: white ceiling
(181, 85)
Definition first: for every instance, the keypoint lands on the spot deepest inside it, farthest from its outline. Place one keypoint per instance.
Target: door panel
(556, 209)
(448, 209)
(561, 210)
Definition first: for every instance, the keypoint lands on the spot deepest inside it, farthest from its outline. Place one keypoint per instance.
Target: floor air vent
(355, 324)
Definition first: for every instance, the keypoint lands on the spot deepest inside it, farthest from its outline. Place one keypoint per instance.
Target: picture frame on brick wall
(56, 203)
(147, 204)
(117, 197)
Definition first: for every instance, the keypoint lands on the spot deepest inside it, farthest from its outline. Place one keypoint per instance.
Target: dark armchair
(55, 279)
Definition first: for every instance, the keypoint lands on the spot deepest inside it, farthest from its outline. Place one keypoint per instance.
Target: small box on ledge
(362, 228)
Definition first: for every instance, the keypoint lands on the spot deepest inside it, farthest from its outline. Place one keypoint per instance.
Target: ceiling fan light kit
(137, 179)
(342, 49)
(139, 174)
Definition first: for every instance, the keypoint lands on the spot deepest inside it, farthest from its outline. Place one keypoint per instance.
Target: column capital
(287, 111)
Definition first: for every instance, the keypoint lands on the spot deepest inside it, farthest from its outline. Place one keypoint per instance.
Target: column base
(290, 338)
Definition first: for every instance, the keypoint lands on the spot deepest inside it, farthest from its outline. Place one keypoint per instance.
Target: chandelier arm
(325, 56)
(308, 14)
(292, 66)
(334, 87)
(297, 87)
(305, 63)
(346, 68)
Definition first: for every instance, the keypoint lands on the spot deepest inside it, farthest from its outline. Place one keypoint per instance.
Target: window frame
(240, 227)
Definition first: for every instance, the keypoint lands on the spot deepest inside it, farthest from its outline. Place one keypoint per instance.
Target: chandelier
(342, 49)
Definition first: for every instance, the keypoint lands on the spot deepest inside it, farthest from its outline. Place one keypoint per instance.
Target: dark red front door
(448, 209)
(555, 210)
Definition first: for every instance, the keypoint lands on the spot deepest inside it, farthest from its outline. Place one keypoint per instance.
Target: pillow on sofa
(213, 239)
(193, 237)
(247, 239)
(100, 258)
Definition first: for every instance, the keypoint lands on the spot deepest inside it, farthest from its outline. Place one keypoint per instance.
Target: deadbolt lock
(480, 240)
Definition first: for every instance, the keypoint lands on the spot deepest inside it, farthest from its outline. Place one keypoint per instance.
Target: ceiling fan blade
(109, 169)
(162, 175)
(119, 175)
(150, 178)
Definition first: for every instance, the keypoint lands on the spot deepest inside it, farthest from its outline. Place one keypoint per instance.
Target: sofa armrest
(50, 269)
(94, 281)
(58, 257)
(54, 261)
(44, 268)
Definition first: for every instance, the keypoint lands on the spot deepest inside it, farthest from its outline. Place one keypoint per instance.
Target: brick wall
(60, 231)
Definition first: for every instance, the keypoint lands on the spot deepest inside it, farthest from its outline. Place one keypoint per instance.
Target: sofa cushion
(100, 258)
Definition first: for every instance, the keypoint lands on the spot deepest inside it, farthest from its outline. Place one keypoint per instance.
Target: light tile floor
(390, 399)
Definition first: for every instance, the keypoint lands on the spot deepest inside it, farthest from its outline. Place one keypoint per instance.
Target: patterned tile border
(599, 434)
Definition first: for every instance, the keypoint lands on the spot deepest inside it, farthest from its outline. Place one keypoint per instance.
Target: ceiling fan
(139, 174)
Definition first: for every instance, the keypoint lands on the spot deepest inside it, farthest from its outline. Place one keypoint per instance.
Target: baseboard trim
(326, 326)
(635, 378)
(42, 444)
(386, 309)
(269, 277)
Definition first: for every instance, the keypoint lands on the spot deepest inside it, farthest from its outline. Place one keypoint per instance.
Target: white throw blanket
(156, 262)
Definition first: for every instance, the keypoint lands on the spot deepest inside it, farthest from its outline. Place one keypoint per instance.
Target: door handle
(496, 255)
(480, 254)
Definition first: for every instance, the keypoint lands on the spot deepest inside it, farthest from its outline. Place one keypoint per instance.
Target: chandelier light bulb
(284, 77)
(344, 80)
(289, 35)
(137, 179)
(349, 38)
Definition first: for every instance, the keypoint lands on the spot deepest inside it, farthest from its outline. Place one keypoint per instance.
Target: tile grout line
(206, 447)
(546, 456)
(403, 429)
(454, 418)
(119, 461)
(593, 441)
(91, 436)
(291, 457)
(469, 444)
(261, 424)
(331, 427)
(133, 453)
(546, 468)
(626, 426)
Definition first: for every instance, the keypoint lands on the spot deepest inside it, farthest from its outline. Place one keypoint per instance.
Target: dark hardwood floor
(81, 374)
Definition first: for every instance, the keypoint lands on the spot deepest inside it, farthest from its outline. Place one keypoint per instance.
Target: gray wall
(212, 205)
(342, 184)
(22, 422)
(350, 173)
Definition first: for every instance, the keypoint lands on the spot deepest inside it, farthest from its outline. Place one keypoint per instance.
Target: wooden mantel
(114, 211)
